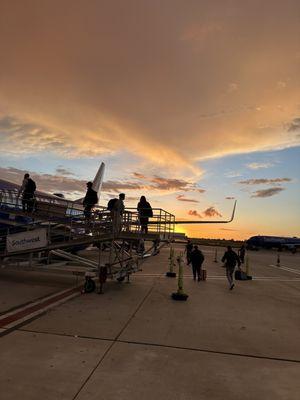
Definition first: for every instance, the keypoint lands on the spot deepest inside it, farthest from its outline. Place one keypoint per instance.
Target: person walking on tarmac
(196, 258)
(89, 201)
(230, 259)
(145, 212)
(188, 250)
(242, 252)
(27, 190)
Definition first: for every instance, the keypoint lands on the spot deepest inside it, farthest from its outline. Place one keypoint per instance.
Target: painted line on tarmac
(14, 319)
(19, 306)
(294, 271)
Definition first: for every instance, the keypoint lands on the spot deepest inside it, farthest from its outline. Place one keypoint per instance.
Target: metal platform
(57, 229)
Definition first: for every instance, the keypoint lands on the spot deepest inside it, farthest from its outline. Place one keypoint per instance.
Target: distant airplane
(269, 242)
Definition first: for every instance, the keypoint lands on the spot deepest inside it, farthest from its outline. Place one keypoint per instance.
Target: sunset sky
(191, 103)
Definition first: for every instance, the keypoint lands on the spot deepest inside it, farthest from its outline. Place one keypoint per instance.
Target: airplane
(269, 242)
(10, 199)
(13, 219)
(11, 208)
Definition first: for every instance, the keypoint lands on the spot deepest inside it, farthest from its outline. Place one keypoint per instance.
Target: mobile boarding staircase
(57, 230)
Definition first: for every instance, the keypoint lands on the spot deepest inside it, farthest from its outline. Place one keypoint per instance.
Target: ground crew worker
(231, 259)
(196, 258)
(90, 200)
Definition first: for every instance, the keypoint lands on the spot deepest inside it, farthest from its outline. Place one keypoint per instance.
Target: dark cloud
(267, 192)
(211, 212)
(64, 182)
(60, 170)
(194, 213)
(117, 186)
(264, 181)
(229, 198)
(295, 125)
(170, 184)
(181, 197)
(46, 182)
(166, 184)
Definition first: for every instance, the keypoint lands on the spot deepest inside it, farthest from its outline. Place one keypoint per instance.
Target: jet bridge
(57, 230)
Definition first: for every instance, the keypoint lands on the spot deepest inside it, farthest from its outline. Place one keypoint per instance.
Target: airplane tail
(98, 180)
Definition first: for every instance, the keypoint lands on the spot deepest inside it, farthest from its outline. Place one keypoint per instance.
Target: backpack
(111, 203)
(30, 186)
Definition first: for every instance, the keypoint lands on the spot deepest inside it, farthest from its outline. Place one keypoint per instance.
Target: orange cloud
(211, 212)
(97, 88)
(194, 213)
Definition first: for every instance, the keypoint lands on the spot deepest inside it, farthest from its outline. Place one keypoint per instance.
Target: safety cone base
(179, 296)
(170, 274)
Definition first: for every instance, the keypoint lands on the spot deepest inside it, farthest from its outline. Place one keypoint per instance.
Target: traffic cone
(171, 273)
(180, 295)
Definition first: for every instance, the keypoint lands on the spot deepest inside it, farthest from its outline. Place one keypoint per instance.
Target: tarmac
(135, 342)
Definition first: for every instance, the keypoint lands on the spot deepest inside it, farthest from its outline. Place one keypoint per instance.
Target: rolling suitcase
(240, 275)
(203, 274)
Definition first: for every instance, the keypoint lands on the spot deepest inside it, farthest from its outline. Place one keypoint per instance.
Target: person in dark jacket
(230, 259)
(89, 201)
(242, 252)
(196, 258)
(145, 212)
(188, 250)
(27, 190)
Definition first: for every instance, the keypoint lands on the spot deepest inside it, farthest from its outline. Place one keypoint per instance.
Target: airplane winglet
(209, 221)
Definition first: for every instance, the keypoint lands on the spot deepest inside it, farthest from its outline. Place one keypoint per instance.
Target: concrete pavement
(135, 342)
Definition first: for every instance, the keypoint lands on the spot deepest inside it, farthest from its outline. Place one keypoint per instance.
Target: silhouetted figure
(196, 258)
(90, 200)
(145, 212)
(242, 252)
(188, 250)
(230, 259)
(27, 190)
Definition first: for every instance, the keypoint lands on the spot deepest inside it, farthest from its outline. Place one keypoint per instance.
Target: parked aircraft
(10, 200)
(269, 242)
(13, 220)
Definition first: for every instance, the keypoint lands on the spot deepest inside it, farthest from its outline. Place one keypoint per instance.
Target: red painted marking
(21, 314)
